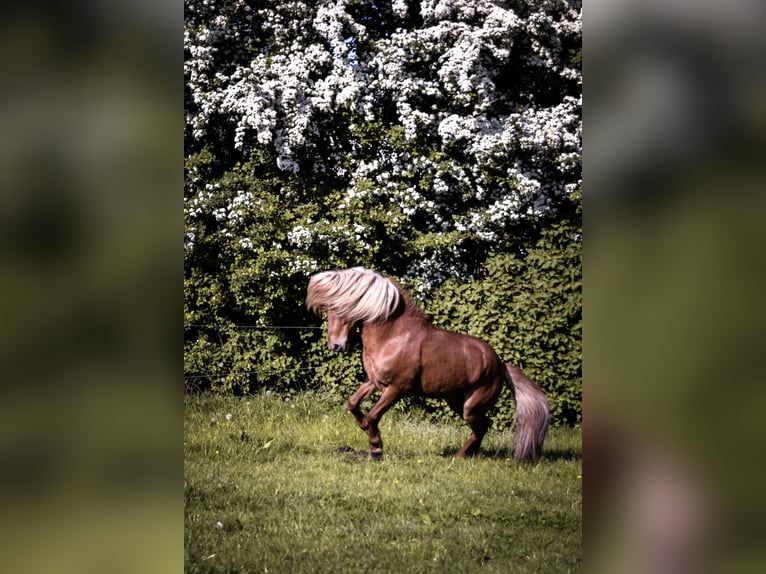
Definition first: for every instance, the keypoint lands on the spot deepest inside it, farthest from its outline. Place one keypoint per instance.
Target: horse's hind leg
(475, 414)
(478, 422)
(474, 441)
(479, 426)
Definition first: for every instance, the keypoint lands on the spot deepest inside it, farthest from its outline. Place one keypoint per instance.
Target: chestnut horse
(404, 354)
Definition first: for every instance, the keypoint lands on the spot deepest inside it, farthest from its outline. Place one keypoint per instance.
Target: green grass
(266, 492)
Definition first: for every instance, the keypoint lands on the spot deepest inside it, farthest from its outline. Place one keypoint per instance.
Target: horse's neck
(403, 320)
(409, 308)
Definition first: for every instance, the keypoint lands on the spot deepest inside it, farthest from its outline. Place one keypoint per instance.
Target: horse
(405, 354)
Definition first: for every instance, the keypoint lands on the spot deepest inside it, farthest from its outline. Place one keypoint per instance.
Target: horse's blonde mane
(355, 294)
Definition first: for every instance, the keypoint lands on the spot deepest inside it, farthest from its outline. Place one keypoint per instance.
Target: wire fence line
(221, 326)
(254, 327)
(261, 372)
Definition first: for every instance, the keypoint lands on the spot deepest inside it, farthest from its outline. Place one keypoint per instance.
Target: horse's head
(351, 298)
(339, 332)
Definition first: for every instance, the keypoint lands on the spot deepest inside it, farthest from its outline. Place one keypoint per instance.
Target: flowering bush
(416, 138)
(456, 116)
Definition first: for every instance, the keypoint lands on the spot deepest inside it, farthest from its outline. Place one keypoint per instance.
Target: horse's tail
(532, 415)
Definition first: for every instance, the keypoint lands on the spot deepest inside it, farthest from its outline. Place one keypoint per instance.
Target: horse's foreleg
(355, 400)
(385, 402)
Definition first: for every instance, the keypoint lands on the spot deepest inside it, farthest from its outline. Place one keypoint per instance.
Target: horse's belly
(439, 385)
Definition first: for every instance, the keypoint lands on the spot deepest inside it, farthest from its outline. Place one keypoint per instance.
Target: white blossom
(298, 71)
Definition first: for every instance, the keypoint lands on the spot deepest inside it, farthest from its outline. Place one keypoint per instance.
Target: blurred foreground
(674, 275)
(90, 274)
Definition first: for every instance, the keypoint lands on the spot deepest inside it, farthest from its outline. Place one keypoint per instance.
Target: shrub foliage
(436, 142)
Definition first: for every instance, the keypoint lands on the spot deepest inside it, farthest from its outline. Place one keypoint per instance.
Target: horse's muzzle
(337, 347)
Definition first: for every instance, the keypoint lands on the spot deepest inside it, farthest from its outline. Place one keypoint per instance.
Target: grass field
(266, 491)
